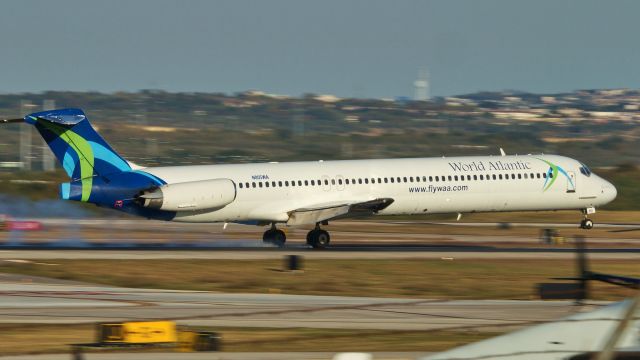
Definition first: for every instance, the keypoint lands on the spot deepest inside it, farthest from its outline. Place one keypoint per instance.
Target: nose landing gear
(586, 223)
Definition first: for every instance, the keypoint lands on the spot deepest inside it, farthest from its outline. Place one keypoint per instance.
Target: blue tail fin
(82, 152)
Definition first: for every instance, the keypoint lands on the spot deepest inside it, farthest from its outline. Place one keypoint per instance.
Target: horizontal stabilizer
(67, 117)
(8, 121)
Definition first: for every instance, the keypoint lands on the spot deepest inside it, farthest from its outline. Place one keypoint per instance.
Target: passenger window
(500, 176)
(411, 179)
(519, 176)
(424, 179)
(240, 185)
(339, 181)
(405, 179)
(366, 180)
(526, 176)
(399, 179)
(260, 184)
(417, 178)
(379, 180)
(450, 178)
(326, 182)
(333, 181)
(286, 183)
(551, 175)
(266, 184)
(392, 180)
(299, 182)
(346, 181)
(437, 178)
(494, 176)
(430, 178)
(306, 183)
(455, 177)
(360, 181)
(246, 185)
(313, 182)
(386, 180)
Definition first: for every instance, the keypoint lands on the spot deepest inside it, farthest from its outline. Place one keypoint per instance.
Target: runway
(133, 239)
(218, 356)
(338, 252)
(40, 301)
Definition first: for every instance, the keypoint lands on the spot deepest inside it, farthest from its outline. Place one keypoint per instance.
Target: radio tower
(422, 86)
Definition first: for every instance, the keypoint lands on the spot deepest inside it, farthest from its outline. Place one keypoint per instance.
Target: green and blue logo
(552, 175)
(81, 151)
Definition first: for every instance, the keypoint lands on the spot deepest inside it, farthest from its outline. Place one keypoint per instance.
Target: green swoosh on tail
(82, 148)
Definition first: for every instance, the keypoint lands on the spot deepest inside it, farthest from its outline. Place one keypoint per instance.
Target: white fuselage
(268, 192)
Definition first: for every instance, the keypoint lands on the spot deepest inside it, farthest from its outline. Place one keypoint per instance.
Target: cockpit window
(584, 169)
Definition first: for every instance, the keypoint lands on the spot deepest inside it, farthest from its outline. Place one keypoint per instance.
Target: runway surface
(119, 238)
(338, 252)
(219, 356)
(57, 302)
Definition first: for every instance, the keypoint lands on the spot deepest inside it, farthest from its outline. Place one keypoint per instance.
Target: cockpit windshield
(584, 169)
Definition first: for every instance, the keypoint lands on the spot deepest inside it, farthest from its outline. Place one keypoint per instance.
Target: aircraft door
(571, 182)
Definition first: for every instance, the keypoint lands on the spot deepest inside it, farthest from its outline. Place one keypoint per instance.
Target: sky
(365, 48)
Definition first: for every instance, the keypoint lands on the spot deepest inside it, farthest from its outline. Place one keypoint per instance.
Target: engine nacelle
(190, 196)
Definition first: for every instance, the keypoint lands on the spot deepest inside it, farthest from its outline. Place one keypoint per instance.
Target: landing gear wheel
(586, 224)
(274, 236)
(318, 238)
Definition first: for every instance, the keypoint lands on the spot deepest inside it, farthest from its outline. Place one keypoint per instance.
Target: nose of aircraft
(609, 192)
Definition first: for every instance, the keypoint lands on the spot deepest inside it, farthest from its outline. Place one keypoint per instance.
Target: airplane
(613, 328)
(313, 192)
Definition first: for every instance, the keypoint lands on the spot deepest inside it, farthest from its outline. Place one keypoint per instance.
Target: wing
(342, 209)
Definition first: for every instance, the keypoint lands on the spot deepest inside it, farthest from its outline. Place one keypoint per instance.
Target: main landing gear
(274, 236)
(318, 238)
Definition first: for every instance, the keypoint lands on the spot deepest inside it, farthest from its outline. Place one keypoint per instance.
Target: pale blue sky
(350, 48)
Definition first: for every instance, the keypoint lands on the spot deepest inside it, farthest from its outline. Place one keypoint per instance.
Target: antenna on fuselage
(502, 153)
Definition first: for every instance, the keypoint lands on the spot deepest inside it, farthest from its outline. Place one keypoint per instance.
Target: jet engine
(190, 196)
